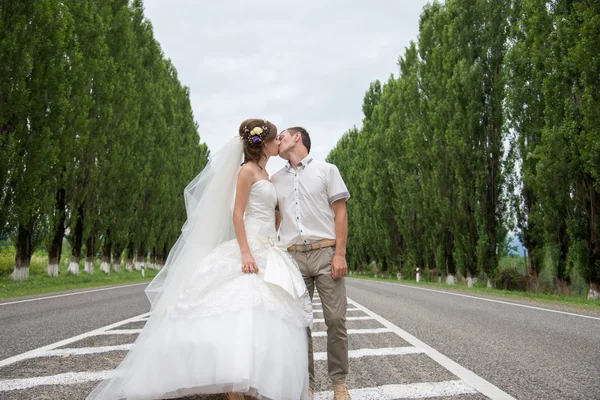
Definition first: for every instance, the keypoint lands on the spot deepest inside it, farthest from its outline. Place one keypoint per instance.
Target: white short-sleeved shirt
(305, 196)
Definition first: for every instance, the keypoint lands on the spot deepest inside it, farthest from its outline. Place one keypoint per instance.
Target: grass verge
(39, 282)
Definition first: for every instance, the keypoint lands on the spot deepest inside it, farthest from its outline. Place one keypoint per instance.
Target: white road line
(41, 350)
(68, 378)
(468, 376)
(348, 309)
(409, 391)
(73, 294)
(490, 300)
(347, 319)
(86, 350)
(381, 352)
(121, 332)
(356, 332)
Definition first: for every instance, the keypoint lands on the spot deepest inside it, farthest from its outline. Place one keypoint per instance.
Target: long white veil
(209, 205)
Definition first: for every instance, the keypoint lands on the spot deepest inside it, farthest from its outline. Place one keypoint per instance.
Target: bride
(230, 308)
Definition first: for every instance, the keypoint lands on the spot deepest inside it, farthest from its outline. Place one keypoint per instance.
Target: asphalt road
(528, 353)
(28, 325)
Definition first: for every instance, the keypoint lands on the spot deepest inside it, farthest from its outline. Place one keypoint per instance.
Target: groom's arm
(277, 218)
(339, 268)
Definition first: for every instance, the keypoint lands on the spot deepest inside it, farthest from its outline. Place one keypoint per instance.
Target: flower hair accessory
(257, 134)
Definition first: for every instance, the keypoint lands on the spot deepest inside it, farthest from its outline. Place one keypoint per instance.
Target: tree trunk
(470, 279)
(24, 253)
(451, 279)
(59, 234)
(153, 259)
(449, 258)
(106, 252)
(563, 246)
(89, 255)
(140, 262)
(77, 243)
(594, 243)
(594, 292)
(130, 253)
(116, 257)
(164, 254)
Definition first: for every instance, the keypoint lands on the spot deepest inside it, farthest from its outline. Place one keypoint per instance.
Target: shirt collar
(302, 164)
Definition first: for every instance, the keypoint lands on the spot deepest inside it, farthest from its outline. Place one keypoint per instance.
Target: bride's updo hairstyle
(256, 133)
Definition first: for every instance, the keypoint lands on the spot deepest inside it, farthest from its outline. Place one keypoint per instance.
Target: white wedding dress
(226, 330)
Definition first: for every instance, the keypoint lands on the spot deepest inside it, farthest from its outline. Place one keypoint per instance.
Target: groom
(312, 202)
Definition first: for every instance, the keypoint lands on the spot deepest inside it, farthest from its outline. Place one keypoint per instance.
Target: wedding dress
(215, 329)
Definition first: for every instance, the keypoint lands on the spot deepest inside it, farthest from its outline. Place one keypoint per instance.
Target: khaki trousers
(315, 266)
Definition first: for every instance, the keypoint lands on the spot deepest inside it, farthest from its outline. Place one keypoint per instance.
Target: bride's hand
(248, 263)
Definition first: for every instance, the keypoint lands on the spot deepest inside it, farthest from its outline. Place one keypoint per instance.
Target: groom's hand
(339, 268)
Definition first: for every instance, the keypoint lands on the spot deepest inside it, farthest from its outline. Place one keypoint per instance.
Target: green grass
(507, 294)
(39, 282)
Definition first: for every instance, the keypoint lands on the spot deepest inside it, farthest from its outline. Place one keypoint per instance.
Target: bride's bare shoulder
(250, 173)
(246, 174)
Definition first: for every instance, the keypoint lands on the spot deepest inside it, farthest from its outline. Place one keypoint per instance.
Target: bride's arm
(242, 191)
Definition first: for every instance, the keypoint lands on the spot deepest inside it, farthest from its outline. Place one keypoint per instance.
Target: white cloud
(304, 63)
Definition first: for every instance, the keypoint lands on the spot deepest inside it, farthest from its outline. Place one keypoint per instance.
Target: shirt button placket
(296, 199)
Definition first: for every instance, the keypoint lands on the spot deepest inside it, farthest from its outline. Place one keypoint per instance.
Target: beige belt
(313, 246)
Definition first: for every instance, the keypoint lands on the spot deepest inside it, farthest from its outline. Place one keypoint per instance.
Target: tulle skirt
(248, 352)
(227, 332)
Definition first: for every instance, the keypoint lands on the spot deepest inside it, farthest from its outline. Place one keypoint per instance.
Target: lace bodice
(259, 216)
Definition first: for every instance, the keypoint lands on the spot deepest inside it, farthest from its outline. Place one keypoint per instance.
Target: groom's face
(286, 143)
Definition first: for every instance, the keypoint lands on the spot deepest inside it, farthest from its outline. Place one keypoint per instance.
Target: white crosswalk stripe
(393, 351)
(349, 309)
(68, 378)
(410, 391)
(355, 332)
(85, 350)
(347, 319)
(122, 332)
(364, 349)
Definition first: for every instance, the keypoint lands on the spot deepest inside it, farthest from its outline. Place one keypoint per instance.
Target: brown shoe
(340, 391)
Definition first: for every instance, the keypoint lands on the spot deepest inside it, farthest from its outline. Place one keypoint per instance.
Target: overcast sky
(304, 63)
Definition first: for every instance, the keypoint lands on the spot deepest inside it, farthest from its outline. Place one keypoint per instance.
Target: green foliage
(97, 135)
(508, 279)
(492, 124)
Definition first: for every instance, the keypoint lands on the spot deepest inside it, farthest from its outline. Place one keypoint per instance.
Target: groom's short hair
(303, 133)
